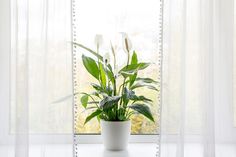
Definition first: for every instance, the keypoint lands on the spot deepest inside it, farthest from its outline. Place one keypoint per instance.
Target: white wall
(4, 66)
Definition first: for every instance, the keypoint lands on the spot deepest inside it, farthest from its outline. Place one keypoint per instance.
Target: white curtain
(198, 79)
(41, 73)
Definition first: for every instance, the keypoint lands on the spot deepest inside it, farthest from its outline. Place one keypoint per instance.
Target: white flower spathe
(98, 40)
(126, 42)
(107, 58)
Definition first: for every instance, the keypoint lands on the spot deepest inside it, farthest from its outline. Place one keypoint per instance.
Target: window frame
(5, 136)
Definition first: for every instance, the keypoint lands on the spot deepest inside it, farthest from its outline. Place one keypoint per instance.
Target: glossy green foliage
(114, 101)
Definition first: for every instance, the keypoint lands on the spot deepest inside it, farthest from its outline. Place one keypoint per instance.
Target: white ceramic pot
(115, 134)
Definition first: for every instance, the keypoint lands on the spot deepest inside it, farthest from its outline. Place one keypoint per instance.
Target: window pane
(140, 20)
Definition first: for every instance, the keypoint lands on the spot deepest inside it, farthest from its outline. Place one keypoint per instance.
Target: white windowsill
(84, 150)
(133, 150)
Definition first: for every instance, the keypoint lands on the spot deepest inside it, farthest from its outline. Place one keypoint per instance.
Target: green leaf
(84, 100)
(140, 98)
(110, 74)
(91, 116)
(133, 68)
(132, 79)
(127, 95)
(109, 67)
(102, 75)
(93, 102)
(100, 89)
(138, 85)
(152, 87)
(142, 109)
(109, 102)
(96, 94)
(90, 95)
(134, 59)
(130, 95)
(97, 87)
(126, 74)
(92, 107)
(143, 66)
(146, 80)
(89, 50)
(91, 66)
(109, 90)
(122, 114)
(98, 118)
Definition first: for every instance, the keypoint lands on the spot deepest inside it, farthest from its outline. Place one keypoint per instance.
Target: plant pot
(115, 134)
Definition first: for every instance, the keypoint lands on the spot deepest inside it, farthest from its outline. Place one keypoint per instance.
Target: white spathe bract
(126, 42)
(98, 40)
(107, 58)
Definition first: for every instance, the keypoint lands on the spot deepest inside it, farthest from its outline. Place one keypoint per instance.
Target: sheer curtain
(197, 104)
(41, 73)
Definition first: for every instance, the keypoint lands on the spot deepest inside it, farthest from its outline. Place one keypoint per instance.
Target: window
(46, 69)
(140, 20)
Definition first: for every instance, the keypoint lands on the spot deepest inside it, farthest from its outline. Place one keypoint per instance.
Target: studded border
(160, 61)
(74, 24)
(74, 14)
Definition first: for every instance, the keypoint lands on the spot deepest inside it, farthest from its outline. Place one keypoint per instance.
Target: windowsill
(84, 150)
(133, 150)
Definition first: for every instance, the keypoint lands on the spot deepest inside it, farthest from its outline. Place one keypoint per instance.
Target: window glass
(139, 19)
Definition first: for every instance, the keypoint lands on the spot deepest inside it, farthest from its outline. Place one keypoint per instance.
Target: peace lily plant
(112, 100)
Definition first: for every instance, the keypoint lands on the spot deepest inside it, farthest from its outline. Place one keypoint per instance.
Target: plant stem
(114, 67)
(114, 87)
(126, 67)
(93, 100)
(99, 65)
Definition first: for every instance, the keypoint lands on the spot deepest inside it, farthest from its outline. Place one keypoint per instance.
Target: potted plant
(113, 102)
